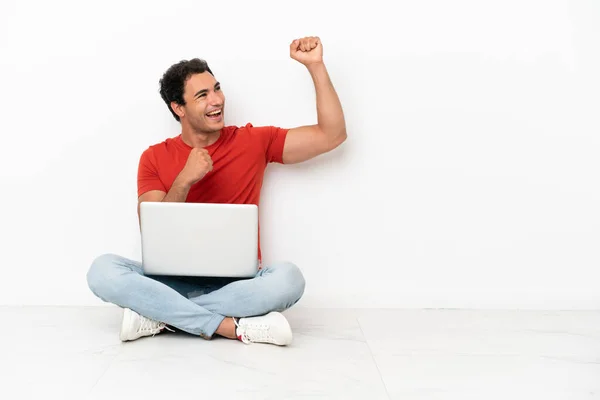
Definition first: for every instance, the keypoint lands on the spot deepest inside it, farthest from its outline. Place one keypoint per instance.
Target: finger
(315, 42)
(307, 45)
(303, 45)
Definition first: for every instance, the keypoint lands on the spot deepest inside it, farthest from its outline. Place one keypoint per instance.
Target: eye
(218, 88)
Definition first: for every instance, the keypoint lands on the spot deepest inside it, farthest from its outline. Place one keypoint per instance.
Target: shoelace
(151, 326)
(254, 332)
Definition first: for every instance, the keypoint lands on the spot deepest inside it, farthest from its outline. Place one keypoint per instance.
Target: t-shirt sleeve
(148, 178)
(272, 139)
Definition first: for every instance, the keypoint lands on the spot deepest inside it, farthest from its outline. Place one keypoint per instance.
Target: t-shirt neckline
(210, 146)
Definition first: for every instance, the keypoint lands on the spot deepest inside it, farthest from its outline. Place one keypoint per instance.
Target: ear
(178, 109)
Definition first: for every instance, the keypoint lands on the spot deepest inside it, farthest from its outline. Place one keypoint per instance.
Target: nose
(215, 99)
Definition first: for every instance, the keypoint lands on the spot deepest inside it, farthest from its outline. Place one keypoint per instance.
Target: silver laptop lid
(199, 239)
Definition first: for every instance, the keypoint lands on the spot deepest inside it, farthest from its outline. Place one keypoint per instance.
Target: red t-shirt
(240, 156)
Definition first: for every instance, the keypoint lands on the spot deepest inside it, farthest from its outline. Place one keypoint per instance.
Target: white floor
(74, 353)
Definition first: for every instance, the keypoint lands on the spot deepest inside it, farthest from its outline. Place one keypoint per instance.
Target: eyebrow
(206, 90)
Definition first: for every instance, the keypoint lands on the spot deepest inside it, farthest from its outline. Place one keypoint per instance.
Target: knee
(99, 278)
(291, 281)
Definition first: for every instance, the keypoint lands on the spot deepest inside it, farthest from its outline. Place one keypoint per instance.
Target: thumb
(294, 45)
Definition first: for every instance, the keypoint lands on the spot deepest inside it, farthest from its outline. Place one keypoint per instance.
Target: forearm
(178, 192)
(330, 116)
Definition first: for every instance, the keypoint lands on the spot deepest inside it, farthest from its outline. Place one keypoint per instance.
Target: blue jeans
(196, 305)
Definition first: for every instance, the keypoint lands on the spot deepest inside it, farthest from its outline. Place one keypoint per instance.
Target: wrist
(316, 67)
(182, 182)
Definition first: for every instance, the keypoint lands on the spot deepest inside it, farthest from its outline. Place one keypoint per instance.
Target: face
(204, 104)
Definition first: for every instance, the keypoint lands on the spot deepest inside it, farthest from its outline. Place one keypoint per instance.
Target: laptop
(199, 239)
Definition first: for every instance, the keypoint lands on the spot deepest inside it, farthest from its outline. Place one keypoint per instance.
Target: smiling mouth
(216, 114)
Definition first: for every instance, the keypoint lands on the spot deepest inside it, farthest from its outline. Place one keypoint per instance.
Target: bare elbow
(339, 139)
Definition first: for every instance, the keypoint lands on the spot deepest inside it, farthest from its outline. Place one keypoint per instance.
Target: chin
(215, 127)
(212, 124)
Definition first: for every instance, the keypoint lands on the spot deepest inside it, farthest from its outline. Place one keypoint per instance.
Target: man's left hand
(307, 50)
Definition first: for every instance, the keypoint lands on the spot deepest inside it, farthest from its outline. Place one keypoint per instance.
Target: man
(211, 162)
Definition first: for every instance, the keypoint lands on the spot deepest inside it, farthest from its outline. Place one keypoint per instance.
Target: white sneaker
(134, 326)
(271, 328)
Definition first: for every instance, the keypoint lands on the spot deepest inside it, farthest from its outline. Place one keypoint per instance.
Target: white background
(470, 177)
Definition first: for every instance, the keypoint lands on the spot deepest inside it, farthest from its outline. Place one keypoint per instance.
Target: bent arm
(305, 142)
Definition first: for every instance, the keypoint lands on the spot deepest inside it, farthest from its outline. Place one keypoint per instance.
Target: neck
(198, 139)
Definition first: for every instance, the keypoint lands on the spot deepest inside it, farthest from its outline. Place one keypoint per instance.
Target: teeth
(214, 112)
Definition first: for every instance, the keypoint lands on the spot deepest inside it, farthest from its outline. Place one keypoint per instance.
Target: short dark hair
(172, 83)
